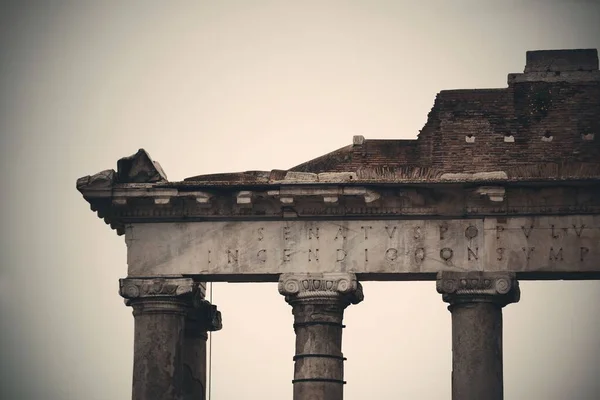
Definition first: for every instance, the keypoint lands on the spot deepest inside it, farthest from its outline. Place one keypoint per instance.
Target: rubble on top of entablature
(235, 177)
(477, 176)
(101, 180)
(300, 177)
(397, 173)
(139, 168)
(276, 176)
(323, 177)
(565, 170)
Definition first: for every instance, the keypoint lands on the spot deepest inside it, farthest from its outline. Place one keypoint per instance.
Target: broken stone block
(139, 168)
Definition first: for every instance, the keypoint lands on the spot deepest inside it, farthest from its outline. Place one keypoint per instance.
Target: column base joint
(299, 356)
(311, 323)
(330, 380)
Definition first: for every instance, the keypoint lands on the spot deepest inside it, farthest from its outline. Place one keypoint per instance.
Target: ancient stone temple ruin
(501, 185)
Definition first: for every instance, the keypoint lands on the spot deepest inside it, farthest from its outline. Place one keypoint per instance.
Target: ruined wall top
(562, 60)
(546, 118)
(544, 125)
(473, 157)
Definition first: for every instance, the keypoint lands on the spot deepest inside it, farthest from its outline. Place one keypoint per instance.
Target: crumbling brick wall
(548, 114)
(534, 121)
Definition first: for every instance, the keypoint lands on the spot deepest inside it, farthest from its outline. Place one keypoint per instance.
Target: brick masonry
(548, 114)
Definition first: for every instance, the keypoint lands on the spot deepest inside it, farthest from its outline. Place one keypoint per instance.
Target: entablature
(121, 198)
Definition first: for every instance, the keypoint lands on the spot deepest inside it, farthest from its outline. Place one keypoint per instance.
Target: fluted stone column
(476, 300)
(160, 308)
(202, 318)
(318, 302)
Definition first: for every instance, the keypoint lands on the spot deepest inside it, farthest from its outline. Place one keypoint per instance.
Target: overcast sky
(218, 86)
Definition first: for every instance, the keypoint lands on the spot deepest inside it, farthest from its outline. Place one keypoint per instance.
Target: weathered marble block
(374, 249)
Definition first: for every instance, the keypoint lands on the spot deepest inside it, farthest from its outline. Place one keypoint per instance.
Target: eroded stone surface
(201, 318)
(318, 302)
(139, 168)
(476, 300)
(321, 288)
(480, 211)
(159, 307)
(562, 60)
(260, 250)
(171, 321)
(500, 288)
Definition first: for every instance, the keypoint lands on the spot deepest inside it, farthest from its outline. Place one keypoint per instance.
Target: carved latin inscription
(578, 230)
(473, 253)
(443, 229)
(583, 252)
(378, 247)
(366, 230)
(232, 256)
(556, 255)
(313, 255)
(340, 234)
(500, 251)
(261, 255)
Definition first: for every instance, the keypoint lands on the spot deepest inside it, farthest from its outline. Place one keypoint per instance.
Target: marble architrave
(376, 249)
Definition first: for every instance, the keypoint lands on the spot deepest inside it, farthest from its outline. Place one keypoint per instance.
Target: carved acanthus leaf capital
(478, 286)
(321, 287)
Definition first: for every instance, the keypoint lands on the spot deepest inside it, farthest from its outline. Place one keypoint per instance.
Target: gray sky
(242, 85)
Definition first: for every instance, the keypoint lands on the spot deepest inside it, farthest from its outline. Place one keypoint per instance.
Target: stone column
(202, 318)
(476, 300)
(160, 307)
(318, 302)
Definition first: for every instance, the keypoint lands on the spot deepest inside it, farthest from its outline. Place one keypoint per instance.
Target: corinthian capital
(321, 288)
(477, 286)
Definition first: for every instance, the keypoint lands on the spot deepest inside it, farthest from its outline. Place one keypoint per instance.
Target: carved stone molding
(138, 193)
(161, 294)
(501, 288)
(318, 288)
(494, 193)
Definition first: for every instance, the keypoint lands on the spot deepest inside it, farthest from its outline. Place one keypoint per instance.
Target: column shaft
(194, 368)
(157, 360)
(160, 308)
(318, 302)
(319, 363)
(476, 299)
(477, 351)
(203, 317)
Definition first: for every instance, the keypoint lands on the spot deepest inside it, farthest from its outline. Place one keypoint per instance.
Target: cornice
(123, 197)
